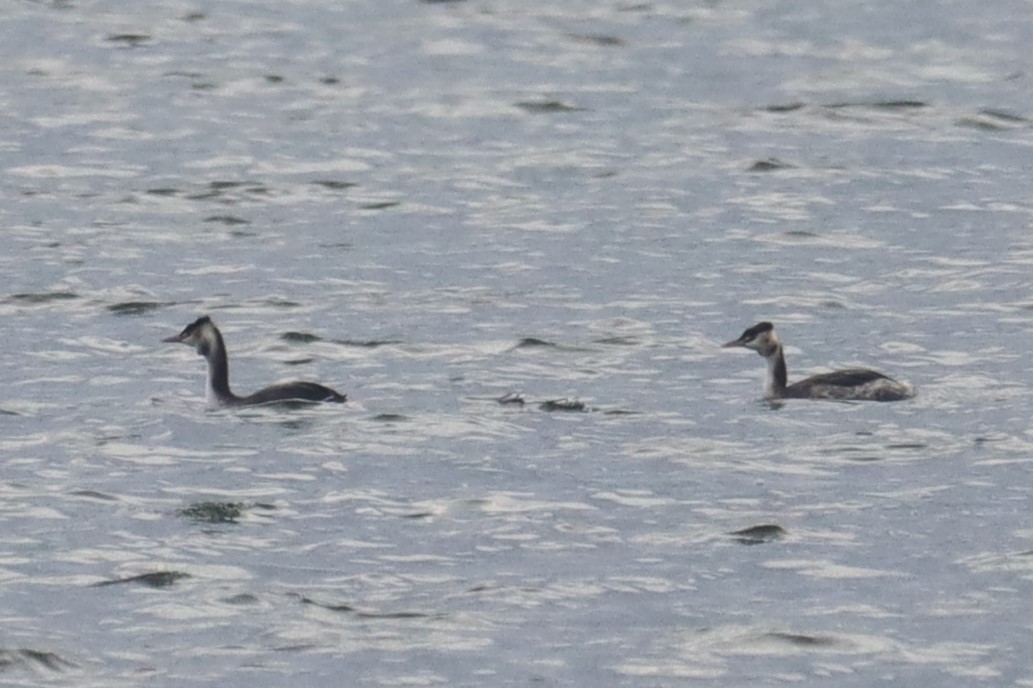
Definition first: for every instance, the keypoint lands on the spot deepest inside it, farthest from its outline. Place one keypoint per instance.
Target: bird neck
(775, 384)
(218, 388)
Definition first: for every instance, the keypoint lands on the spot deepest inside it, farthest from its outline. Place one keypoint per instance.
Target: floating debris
(213, 512)
(755, 535)
(514, 398)
(562, 405)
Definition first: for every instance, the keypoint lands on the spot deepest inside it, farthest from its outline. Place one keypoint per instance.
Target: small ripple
(515, 503)
(334, 184)
(755, 535)
(770, 165)
(130, 40)
(127, 308)
(32, 660)
(157, 579)
(890, 105)
(230, 220)
(41, 298)
(390, 418)
(379, 205)
(367, 343)
(823, 568)
(544, 107)
(604, 40)
(93, 494)
(300, 337)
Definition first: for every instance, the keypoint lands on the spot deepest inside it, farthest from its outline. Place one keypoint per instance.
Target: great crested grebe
(203, 335)
(860, 384)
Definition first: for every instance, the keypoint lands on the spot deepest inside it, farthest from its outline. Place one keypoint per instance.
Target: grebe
(850, 384)
(206, 338)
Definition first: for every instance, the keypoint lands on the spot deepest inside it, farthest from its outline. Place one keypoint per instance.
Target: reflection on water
(442, 206)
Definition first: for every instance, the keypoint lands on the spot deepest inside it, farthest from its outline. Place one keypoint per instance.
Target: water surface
(430, 205)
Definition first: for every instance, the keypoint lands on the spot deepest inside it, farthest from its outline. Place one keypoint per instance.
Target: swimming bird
(859, 384)
(203, 335)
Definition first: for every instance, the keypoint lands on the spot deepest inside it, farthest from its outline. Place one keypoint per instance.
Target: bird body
(204, 336)
(858, 384)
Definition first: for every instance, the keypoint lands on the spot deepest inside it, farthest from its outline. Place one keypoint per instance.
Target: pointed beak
(175, 339)
(735, 342)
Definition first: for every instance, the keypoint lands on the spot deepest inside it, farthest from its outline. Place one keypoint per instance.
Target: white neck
(770, 384)
(210, 397)
(776, 380)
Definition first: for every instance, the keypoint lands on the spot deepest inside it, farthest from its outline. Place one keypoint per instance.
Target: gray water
(429, 205)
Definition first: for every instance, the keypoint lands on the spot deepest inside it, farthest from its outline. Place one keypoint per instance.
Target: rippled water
(429, 205)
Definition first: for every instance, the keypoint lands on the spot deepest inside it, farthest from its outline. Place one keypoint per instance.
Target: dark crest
(751, 333)
(203, 320)
(189, 330)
